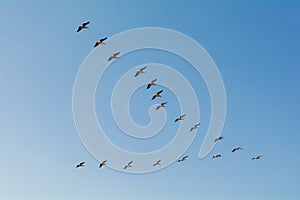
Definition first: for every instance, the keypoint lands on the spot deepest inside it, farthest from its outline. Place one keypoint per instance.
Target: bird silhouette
(182, 159)
(180, 118)
(218, 138)
(80, 165)
(151, 83)
(140, 71)
(256, 158)
(162, 105)
(195, 127)
(103, 163)
(83, 26)
(157, 163)
(101, 41)
(157, 95)
(114, 56)
(236, 149)
(128, 165)
(216, 156)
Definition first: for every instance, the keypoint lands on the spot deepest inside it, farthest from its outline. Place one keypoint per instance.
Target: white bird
(195, 127)
(256, 158)
(114, 56)
(157, 95)
(218, 138)
(128, 165)
(183, 159)
(180, 118)
(80, 165)
(101, 41)
(162, 105)
(216, 156)
(140, 71)
(236, 149)
(83, 26)
(157, 163)
(103, 163)
(151, 83)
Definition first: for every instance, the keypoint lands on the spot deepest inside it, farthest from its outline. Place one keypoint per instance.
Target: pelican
(151, 83)
(256, 158)
(195, 127)
(80, 165)
(157, 163)
(83, 26)
(218, 138)
(128, 165)
(103, 163)
(114, 56)
(140, 71)
(216, 156)
(101, 41)
(157, 94)
(236, 149)
(183, 159)
(180, 118)
(162, 105)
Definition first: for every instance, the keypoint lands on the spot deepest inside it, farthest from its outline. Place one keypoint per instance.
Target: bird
(216, 156)
(218, 138)
(157, 163)
(162, 105)
(83, 26)
(103, 163)
(157, 94)
(101, 41)
(181, 117)
(128, 165)
(114, 56)
(256, 158)
(80, 165)
(195, 127)
(236, 149)
(151, 83)
(140, 71)
(182, 159)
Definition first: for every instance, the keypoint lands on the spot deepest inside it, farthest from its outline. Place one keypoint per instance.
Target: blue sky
(255, 45)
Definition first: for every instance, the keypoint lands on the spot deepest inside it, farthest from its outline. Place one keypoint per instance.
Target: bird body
(180, 118)
(83, 26)
(157, 94)
(101, 41)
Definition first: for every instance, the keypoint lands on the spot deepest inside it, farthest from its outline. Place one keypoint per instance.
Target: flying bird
(80, 165)
(101, 41)
(103, 163)
(180, 118)
(140, 71)
(256, 158)
(195, 127)
(183, 159)
(114, 56)
(151, 83)
(157, 94)
(236, 149)
(157, 163)
(128, 165)
(162, 105)
(216, 156)
(83, 26)
(218, 138)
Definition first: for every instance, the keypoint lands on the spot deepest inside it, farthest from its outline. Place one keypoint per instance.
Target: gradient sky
(255, 45)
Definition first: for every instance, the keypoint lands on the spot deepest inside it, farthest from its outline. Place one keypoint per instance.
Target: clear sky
(255, 45)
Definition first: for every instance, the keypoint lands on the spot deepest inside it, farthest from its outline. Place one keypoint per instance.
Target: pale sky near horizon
(255, 45)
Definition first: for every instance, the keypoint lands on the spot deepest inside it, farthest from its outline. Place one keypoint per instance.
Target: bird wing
(110, 58)
(136, 74)
(176, 120)
(182, 115)
(148, 86)
(160, 92)
(96, 44)
(103, 39)
(143, 68)
(86, 23)
(130, 162)
(153, 97)
(79, 28)
(115, 54)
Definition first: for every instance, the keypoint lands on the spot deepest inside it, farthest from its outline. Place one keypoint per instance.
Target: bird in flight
(162, 105)
(256, 158)
(114, 56)
(80, 165)
(216, 156)
(83, 26)
(128, 165)
(103, 163)
(218, 138)
(151, 83)
(140, 71)
(101, 41)
(194, 127)
(236, 149)
(157, 94)
(157, 163)
(182, 159)
(181, 117)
